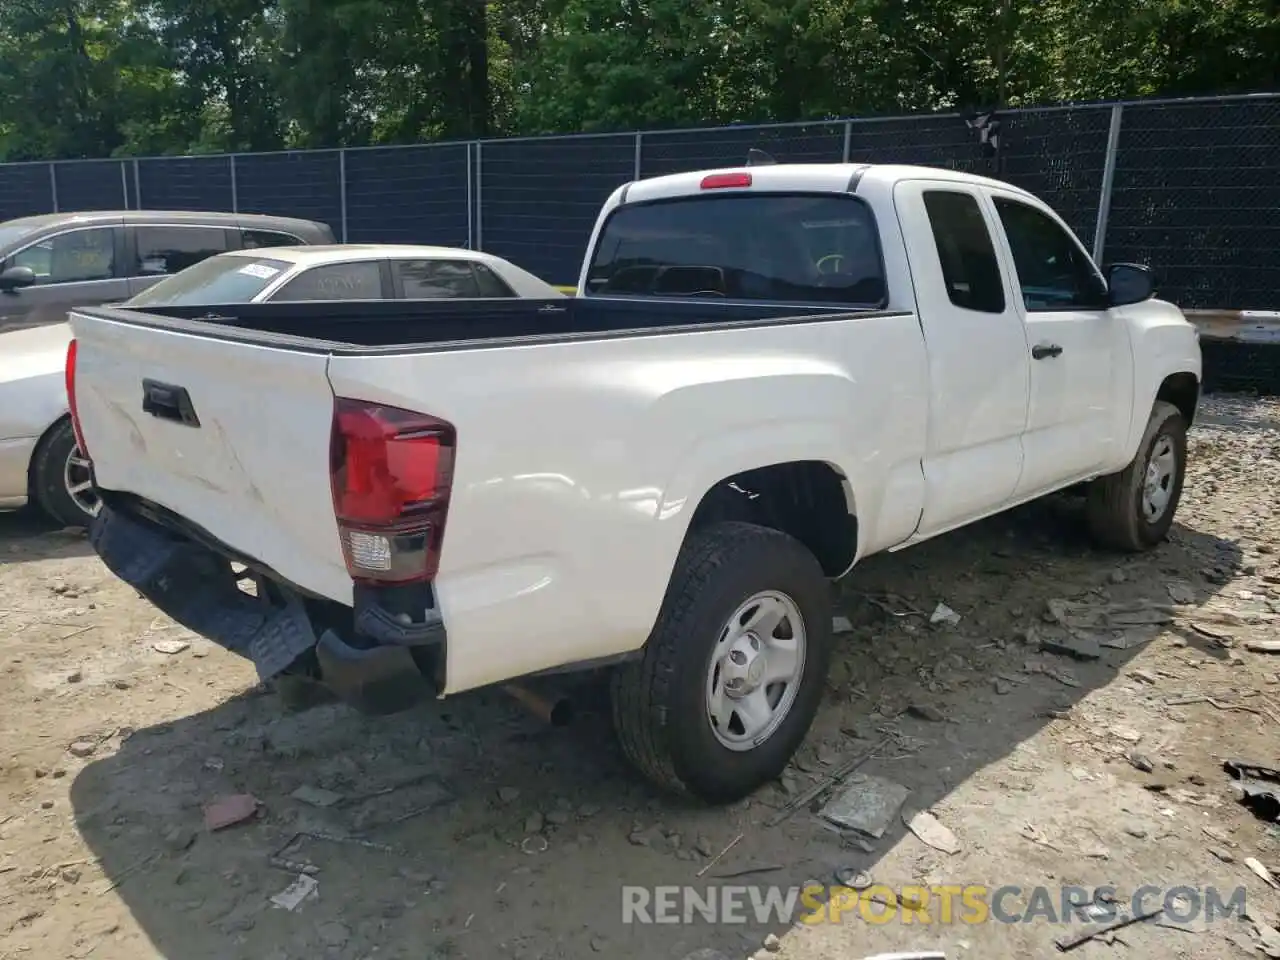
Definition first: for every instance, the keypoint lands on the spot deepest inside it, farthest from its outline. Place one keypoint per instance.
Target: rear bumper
(371, 655)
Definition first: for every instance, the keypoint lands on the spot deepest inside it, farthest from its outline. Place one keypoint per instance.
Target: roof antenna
(758, 158)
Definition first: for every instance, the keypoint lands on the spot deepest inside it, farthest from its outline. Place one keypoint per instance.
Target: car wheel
(62, 479)
(734, 670)
(1133, 510)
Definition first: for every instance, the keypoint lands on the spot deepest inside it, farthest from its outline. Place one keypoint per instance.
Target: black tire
(1116, 518)
(48, 478)
(659, 702)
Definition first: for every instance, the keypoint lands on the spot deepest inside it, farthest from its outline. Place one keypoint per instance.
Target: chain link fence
(1189, 187)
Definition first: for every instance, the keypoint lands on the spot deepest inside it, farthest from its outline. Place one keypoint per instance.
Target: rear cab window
(785, 247)
(227, 279)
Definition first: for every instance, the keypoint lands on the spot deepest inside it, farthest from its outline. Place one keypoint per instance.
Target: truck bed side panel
(579, 464)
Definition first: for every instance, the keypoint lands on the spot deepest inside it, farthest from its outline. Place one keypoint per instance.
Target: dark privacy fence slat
(1196, 186)
(295, 184)
(409, 195)
(92, 184)
(1197, 195)
(25, 189)
(680, 151)
(539, 198)
(186, 183)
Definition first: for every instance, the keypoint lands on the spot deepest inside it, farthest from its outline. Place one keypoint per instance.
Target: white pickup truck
(767, 374)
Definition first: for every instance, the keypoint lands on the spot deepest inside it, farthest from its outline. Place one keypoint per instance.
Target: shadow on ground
(469, 830)
(28, 535)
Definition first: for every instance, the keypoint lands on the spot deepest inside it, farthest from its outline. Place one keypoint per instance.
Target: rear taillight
(71, 398)
(391, 471)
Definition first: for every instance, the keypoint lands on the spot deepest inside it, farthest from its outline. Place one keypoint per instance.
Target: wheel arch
(810, 500)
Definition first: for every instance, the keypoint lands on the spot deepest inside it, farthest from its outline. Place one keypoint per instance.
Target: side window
(1053, 271)
(74, 257)
(432, 279)
(969, 266)
(491, 285)
(254, 239)
(165, 250)
(357, 280)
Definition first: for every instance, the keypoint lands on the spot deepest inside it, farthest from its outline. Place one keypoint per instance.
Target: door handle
(1042, 350)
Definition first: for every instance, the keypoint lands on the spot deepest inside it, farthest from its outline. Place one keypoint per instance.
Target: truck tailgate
(231, 436)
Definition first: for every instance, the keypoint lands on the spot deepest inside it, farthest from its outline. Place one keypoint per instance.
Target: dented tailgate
(232, 436)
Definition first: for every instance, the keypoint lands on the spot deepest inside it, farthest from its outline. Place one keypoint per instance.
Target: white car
(38, 457)
(344, 272)
(767, 374)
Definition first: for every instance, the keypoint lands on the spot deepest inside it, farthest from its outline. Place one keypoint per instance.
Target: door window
(431, 279)
(1053, 271)
(357, 280)
(165, 250)
(254, 239)
(74, 257)
(491, 285)
(969, 266)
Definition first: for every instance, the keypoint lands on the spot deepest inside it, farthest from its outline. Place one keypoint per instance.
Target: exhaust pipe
(555, 709)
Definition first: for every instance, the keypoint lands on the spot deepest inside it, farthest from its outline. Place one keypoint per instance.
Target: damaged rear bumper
(381, 655)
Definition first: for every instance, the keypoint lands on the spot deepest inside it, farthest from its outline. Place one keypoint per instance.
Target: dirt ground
(468, 829)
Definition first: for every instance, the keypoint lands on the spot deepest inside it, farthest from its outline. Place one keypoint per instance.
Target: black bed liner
(395, 326)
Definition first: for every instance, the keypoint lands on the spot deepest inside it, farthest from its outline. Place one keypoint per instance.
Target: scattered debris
(1268, 940)
(716, 859)
(1220, 638)
(316, 796)
(1077, 647)
(1263, 646)
(1181, 593)
(772, 943)
(306, 887)
(1143, 677)
(841, 625)
(534, 844)
(1261, 872)
(1036, 836)
(1140, 761)
(853, 878)
(932, 833)
(1222, 855)
(228, 811)
(913, 955)
(1257, 787)
(1096, 931)
(82, 748)
(922, 711)
(944, 614)
(1127, 734)
(170, 647)
(867, 804)
(825, 784)
(179, 839)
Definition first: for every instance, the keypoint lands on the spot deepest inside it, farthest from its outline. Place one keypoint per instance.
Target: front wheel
(734, 670)
(1133, 510)
(62, 479)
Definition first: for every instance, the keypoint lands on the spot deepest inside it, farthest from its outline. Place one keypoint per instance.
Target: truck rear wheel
(1133, 510)
(734, 670)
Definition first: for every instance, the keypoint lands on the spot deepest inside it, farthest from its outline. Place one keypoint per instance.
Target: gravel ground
(468, 829)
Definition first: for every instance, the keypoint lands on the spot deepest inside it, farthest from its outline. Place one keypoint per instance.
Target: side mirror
(1129, 283)
(17, 277)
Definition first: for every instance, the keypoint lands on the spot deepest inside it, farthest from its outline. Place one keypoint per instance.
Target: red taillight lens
(716, 181)
(391, 471)
(71, 398)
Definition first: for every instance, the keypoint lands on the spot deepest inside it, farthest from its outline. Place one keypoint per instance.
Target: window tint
(71, 257)
(358, 280)
(255, 239)
(1053, 271)
(231, 279)
(782, 247)
(491, 285)
(164, 250)
(969, 266)
(430, 279)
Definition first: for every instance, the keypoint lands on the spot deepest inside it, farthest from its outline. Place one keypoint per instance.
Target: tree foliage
(85, 78)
